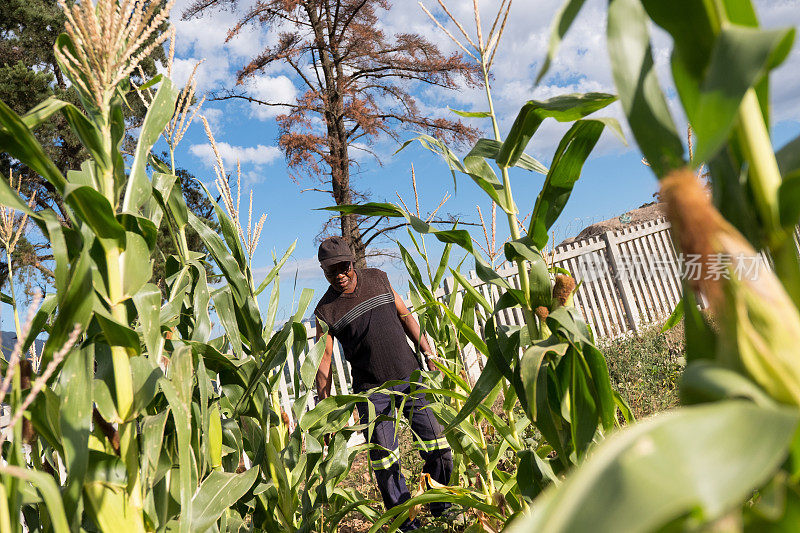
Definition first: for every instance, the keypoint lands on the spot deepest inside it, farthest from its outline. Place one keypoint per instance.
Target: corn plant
(550, 363)
(481, 440)
(141, 420)
(730, 463)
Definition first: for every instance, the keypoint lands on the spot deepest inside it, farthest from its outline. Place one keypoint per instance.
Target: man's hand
(429, 360)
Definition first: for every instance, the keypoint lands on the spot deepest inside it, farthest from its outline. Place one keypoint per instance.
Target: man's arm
(324, 378)
(411, 327)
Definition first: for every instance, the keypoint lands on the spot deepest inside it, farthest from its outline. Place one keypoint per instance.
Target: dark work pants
(428, 439)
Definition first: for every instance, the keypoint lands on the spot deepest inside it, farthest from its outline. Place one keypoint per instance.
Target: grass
(644, 369)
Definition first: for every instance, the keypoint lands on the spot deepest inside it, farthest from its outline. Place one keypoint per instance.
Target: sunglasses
(339, 268)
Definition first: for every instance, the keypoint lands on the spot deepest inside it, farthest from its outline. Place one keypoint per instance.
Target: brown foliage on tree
(357, 79)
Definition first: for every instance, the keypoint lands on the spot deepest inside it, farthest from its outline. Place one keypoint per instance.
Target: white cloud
(205, 37)
(271, 89)
(214, 116)
(255, 155)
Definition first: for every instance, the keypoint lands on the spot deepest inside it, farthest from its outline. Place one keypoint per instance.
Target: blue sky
(614, 180)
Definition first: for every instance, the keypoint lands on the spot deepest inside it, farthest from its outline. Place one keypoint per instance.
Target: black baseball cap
(334, 250)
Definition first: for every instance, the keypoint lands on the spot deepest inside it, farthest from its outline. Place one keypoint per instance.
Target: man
(371, 322)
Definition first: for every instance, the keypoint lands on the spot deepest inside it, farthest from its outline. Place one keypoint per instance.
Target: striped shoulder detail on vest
(363, 307)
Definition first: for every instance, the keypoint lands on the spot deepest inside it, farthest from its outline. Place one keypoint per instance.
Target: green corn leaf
(88, 134)
(639, 91)
(411, 265)
(438, 147)
(158, 115)
(44, 415)
(162, 189)
(200, 300)
(18, 140)
(141, 226)
(275, 269)
(477, 168)
(218, 492)
(117, 334)
(731, 196)
(47, 487)
(147, 302)
(713, 67)
(316, 417)
(468, 498)
(560, 25)
(273, 356)
(470, 334)
(753, 52)
(706, 382)
(229, 231)
(459, 237)
(597, 369)
(787, 266)
(272, 307)
(152, 442)
(103, 402)
(39, 321)
(530, 367)
(583, 409)
(534, 474)
(674, 318)
(223, 302)
(110, 508)
(789, 200)
(302, 304)
(87, 175)
(471, 114)
(106, 468)
(498, 350)
(136, 269)
(443, 261)
(60, 236)
(43, 111)
(564, 108)
(699, 461)
(568, 161)
(539, 276)
(145, 375)
(701, 341)
(75, 304)
(789, 157)
(249, 315)
(471, 290)
(94, 209)
(176, 205)
(568, 321)
(308, 370)
(216, 360)
(487, 382)
(489, 148)
(76, 379)
(548, 416)
(204, 388)
(624, 409)
(178, 392)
